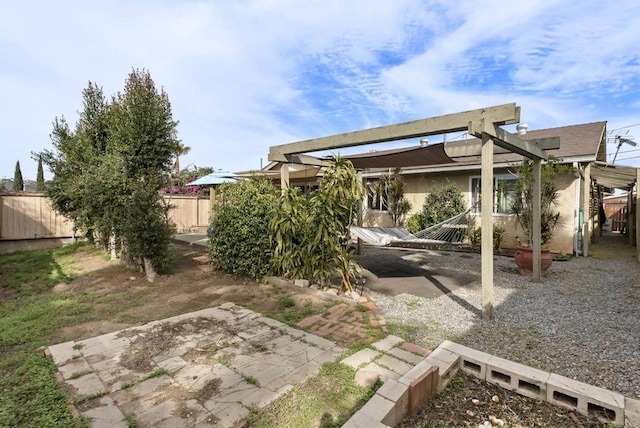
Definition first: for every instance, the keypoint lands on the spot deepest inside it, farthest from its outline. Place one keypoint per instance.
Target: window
(376, 196)
(503, 193)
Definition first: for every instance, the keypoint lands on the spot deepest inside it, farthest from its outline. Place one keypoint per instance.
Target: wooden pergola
(485, 124)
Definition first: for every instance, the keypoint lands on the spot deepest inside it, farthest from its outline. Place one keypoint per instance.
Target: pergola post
(637, 214)
(284, 178)
(486, 249)
(630, 224)
(536, 236)
(586, 200)
(212, 201)
(359, 217)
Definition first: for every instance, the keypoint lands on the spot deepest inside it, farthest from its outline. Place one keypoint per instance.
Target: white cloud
(246, 75)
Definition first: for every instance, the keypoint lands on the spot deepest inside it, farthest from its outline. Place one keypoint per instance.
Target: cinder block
(417, 371)
(517, 377)
(361, 420)
(397, 393)
(422, 389)
(380, 409)
(471, 361)
(631, 413)
(447, 362)
(607, 405)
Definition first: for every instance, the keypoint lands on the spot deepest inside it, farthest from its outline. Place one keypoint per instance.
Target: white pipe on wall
(576, 211)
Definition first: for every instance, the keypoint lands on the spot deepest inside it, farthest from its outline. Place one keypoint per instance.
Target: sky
(249, 74)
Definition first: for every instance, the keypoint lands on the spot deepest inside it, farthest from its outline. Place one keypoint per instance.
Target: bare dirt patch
(163, 337)
(127, 299)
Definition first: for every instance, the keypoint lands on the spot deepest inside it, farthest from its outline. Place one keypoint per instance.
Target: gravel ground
(582, 321)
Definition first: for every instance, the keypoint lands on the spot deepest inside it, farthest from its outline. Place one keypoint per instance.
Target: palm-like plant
(522, 203)
(180, 150)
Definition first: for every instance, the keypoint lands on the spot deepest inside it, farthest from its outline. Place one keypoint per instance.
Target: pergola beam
(298, 158)
(475, 148)
(512, 142)
(504, 114)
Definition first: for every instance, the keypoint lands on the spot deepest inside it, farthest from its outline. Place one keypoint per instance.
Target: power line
(632, 157)
(623, 127)
(625, 151)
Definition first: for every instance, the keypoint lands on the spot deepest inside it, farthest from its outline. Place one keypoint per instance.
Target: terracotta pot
(524, 260)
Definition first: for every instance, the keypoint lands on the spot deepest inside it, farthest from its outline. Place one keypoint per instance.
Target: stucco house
(426, 166)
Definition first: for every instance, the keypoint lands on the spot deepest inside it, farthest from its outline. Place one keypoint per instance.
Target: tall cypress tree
(18, 183)
(40, 187)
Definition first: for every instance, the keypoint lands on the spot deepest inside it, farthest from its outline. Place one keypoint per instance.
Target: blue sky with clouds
(246, 75)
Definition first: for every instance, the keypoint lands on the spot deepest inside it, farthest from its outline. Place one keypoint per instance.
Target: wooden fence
(29, 216)
(188, 213)
(26, 215)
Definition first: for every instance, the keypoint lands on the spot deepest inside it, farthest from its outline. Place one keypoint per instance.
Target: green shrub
(239, 242)
(475, 237)
(442, 204)
(309, 232)
(416, 223)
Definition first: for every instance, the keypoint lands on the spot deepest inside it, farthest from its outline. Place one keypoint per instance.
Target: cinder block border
(412, 390)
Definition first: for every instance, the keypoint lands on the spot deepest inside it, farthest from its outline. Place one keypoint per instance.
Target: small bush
(475, 237)
(286, 302)
(415, 223)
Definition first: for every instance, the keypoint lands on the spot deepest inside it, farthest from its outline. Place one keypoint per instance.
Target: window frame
(475, 192)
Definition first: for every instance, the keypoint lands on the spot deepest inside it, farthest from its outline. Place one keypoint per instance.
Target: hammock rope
(450, 231)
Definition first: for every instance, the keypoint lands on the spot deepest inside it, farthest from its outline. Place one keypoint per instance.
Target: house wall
(418, 186)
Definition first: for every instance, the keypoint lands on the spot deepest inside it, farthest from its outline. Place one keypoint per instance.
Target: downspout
(576, 211)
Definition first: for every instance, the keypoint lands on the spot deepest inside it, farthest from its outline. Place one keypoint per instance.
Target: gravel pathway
(582, 321)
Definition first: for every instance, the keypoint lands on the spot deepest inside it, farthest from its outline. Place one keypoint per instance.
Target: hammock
(450, 231)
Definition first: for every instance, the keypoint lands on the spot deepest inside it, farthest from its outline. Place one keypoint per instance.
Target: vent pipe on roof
(522, 128)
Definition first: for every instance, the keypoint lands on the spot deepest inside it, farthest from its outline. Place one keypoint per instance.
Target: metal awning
(613, 176)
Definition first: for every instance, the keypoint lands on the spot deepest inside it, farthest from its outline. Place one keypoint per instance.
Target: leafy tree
(143, 136)
(18, 183)
(177, 183)
(77, 190)
(240, 241)
(108, 171)
(40, 186)
(179, 150)
(390, 187)
(522, 203)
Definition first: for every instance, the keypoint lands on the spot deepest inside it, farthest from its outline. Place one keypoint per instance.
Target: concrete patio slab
(206, 368)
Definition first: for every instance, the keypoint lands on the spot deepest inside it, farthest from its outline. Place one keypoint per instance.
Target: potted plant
(522, 208)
